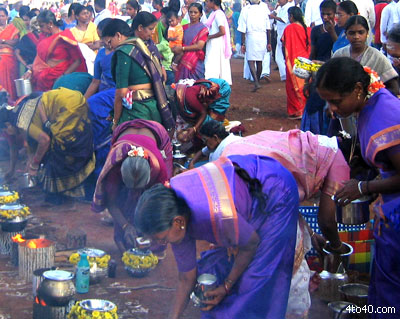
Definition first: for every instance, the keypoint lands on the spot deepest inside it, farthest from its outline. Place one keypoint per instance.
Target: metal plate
(58, 275)
(97, 305)
(6, 193)
(11, 206)
(92, 252)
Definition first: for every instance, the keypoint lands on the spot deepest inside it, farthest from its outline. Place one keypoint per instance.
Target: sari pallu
(8, 62)
(69, 159)
(224, 213)
(148, 57)
(191, 65)
(60, 46)
(294, 38)
(379, 132)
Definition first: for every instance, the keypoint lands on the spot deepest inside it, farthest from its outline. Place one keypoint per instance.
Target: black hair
(217, 3)
(297, 15)
(354, 20)
(134, 4)
(341, 75)
(158, 2)
(23, 11)
(5, 115)
(171, 14)
(102, 24)
(31, 14)
(198, 6)
(255, 188)
(157, 208)
(213, 127)
(79, 9)
(328, 4)
(100, 3)
(91, 10)
(144, 19)
(349, 7)
(114, 26)
(72, 8)
(4, 10)
(47, 16)
(394, 33)
(164, 10)
(174, 5)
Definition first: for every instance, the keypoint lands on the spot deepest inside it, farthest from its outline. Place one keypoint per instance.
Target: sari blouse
(192, 35)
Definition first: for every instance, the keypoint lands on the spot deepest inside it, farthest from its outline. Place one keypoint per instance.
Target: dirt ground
(265, 109)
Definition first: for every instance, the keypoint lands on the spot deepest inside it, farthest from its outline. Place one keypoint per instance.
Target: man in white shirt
(282, 20)
(389, 17)
(366, 8)
(255, 27)
(102, 12)
(312, 15)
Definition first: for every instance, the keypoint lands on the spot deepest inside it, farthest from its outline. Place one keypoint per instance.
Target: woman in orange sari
(296, 43)
(57, 55)
(9, 35)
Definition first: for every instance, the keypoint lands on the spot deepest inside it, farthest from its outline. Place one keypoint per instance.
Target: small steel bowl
(97, 305)
(355, 293)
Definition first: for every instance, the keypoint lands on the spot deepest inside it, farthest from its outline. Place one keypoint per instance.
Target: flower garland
(101, 262)
(139, 262)
(138, 151)
(9, 198)
(13, 213)
(306, 64)
(77, 312)
(375, 84)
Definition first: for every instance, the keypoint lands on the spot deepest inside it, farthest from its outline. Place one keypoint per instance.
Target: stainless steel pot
(355, 293)
(23, 86)
(355, 213)
(341, 310)
(328, 288)
(57, 289)
(332, 262)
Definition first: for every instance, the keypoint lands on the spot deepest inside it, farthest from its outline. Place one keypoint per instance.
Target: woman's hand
(217, 295)
(27, 75)
(32, 170)
(177, 49)
(130, 235)
(348, 193)
(318, 242)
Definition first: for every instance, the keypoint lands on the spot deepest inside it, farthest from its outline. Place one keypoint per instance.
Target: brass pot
(57, 289)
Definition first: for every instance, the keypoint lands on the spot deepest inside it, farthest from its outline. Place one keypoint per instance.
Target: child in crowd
(174, 36)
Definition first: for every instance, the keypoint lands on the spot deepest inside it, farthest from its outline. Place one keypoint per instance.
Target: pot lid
(11, 206)
(91, 252)
(58, 275)
(337, 306)
(179, 155)
(6, 193)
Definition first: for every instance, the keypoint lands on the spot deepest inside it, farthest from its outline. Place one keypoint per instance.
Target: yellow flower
(96, 314)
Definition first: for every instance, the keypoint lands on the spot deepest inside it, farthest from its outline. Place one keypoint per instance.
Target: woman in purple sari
(140, 156)
(246, 205)
(191, 65)
(348, 88)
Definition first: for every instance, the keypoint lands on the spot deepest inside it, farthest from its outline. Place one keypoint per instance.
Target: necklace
(323, 27)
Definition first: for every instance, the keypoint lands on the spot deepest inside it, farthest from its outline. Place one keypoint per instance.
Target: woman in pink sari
(195, 36)
(57, 54)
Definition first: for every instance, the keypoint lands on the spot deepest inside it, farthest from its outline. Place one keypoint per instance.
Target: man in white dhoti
(255, 27)
(282, 20)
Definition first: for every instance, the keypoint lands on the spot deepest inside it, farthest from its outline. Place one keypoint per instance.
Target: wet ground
(265, 109)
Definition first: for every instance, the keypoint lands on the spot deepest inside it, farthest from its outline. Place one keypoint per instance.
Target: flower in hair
(138, 151)
(375, 83)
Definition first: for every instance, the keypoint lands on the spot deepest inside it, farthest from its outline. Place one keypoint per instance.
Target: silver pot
(334, 262)
(341, 310)
(355, 213)
(23, 86)
(355, 293)
(57, 289)
(328, 288)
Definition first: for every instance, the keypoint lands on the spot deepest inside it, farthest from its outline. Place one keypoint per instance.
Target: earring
(182, 227)
(359, 96)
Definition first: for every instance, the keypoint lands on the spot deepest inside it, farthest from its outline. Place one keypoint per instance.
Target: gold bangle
(124, 226)
(194, 129)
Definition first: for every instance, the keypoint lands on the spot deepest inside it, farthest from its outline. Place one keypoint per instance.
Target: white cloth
(213, 156)
(104, 14)
(266, 67)
(254, 22)
(89, 55)
(215, 63)
(390, 16)
(313, 13)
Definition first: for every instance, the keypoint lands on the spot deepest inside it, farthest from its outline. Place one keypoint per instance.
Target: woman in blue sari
(344, 11)
(248, 207)
(348, 89)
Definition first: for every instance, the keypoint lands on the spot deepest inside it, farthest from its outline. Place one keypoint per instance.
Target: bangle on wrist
(337, 249)
(194, 129)
(228, 285)
(33, 168)
(359, 185)
(124, 226)
(312, 234)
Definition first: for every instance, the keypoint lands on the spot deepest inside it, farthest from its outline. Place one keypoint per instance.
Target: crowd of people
(115, 88)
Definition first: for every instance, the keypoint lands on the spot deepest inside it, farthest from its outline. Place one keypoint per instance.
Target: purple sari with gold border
(224, 213)
(379, 132)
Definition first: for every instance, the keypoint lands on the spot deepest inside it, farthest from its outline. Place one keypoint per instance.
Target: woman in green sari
(137, 72)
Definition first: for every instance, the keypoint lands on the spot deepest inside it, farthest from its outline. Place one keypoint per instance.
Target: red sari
(61, 46)
(295, 43)
(8, 62)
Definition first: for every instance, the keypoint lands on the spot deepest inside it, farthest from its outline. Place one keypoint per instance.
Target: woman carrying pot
(351, 89)
(248, 206)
